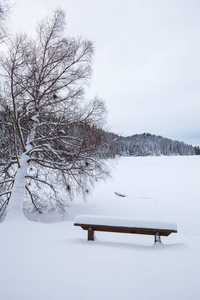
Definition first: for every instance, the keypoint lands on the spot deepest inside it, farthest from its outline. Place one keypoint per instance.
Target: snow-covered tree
(54, 133)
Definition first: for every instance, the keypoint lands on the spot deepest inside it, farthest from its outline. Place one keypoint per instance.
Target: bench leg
(90, 234)
(157, 238)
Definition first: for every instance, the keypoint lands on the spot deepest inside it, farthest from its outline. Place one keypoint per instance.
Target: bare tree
(4, 12)
(55, 135)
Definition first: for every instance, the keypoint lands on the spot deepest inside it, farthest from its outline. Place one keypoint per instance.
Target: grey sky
(147, 59)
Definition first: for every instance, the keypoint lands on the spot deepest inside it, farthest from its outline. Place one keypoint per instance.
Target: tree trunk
(15, 207)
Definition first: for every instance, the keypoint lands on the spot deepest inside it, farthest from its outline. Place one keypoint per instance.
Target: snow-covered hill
(149, 144)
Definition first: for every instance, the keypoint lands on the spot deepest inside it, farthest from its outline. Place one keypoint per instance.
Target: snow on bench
(124, 225)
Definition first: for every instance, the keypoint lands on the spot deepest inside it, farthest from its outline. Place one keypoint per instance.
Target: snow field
(54, 260)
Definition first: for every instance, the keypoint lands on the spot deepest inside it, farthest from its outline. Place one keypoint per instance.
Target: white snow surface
(54, 261)
(122, 222)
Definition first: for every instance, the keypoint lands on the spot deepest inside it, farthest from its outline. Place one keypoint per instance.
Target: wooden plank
(134, 230)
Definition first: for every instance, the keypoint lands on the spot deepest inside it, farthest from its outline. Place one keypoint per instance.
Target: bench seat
(124, 225)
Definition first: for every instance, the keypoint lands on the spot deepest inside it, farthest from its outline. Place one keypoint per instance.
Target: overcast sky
(147, 59)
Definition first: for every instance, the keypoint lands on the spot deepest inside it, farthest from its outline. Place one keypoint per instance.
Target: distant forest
(145, 144)
(148, 144)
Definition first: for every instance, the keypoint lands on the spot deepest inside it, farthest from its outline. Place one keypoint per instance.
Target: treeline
(144, 144)
(197, 150)
(148, 144)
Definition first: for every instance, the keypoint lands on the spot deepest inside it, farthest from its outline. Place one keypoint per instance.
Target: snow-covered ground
(54, 260)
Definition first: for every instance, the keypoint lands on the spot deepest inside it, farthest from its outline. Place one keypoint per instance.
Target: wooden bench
(113, 224)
